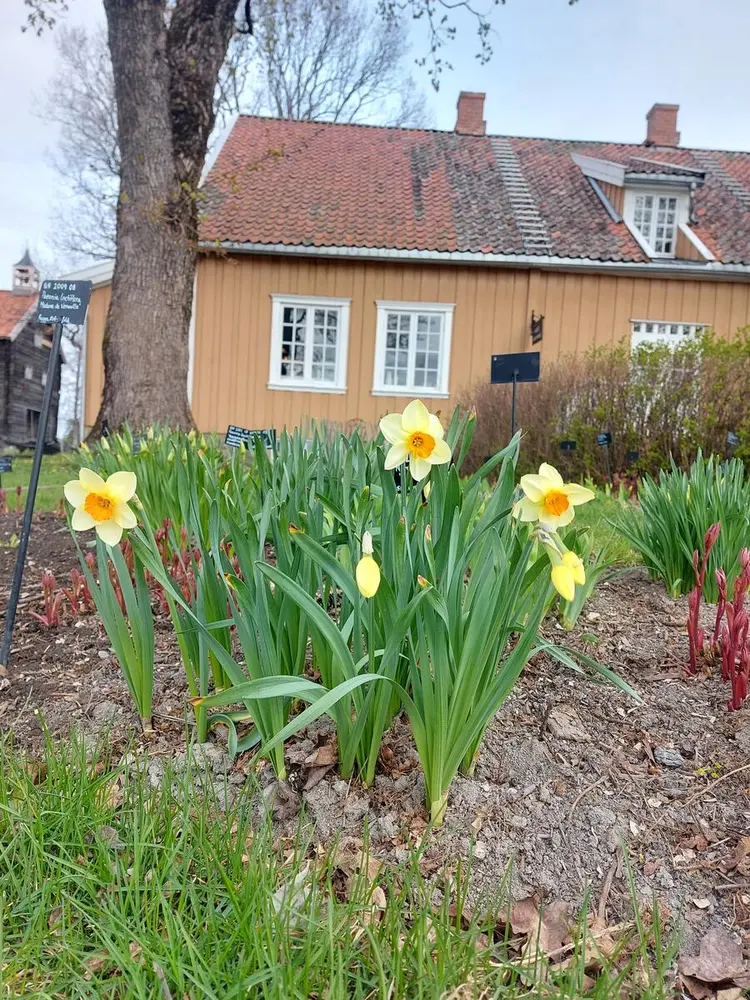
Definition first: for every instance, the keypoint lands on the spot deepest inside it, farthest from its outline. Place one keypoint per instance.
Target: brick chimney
(662, 125)
(469, 120)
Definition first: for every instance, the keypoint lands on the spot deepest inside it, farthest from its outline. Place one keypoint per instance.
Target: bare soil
(575, 783)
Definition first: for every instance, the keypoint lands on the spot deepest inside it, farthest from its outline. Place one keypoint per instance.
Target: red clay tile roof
(13, 308)
(315, 185)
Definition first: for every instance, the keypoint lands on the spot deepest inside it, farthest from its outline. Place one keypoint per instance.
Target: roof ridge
(496, 135)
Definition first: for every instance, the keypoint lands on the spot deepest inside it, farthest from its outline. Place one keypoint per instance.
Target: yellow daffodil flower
(548, 499)
(368, 571)
(415, 434)
(102, 505)
(566, 574)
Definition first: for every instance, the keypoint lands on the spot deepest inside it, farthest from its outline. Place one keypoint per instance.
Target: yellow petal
(419, 468)
(121, 486)
(436, 428)
(572, 560)
(578, 494)
(75, 493)
(81, 521)
(109, 532)
(535, 486)
(90, 481)
(124, 516)
(396, 455)
(563, 582)
(368, 576)
(416, 417)
(440, 454)
(392, 429)
(551, 473)
(527, 510)
(555, 521)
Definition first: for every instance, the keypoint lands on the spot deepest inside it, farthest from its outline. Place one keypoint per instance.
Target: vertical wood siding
(492, 315)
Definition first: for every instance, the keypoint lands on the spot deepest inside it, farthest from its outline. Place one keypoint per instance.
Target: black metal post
(41, 437)
(513, 405)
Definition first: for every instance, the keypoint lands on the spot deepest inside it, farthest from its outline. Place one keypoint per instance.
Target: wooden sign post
(60, 303)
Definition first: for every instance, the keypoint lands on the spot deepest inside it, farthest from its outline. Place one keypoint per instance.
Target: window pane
(390, 359)
(404, 321)
(432, 379)
(403, 341)
(418, 378)
(301, 315)
(330, 373)
(419, 359)
(298, 370)
(421, 341)
(436, 323)
(317, 354)
(317, 372)
(422, 323)
(390, 339)
(400, 377)
(333, 318)
(320, 317)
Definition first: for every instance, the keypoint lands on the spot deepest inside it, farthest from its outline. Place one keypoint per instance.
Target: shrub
(660, 402)
(675, 514)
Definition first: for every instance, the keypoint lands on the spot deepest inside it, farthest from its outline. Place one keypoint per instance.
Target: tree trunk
(165, 67)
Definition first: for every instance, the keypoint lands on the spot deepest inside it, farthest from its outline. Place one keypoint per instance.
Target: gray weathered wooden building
(24, 357)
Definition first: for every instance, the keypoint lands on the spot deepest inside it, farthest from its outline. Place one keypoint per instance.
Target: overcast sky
(590, 71)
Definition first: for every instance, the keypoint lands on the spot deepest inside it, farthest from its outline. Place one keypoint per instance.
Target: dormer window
(655, 216)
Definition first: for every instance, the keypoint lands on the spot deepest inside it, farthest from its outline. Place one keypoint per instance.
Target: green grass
(109, 889)
(600, 515)
(55, 472)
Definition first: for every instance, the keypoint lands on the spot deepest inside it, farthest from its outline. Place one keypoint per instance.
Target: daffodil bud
(423, 582)
(368, 571)
(428, 533)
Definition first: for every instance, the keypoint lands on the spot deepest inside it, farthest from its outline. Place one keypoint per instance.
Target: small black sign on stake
(510, 369)
(237, 436)
(632, 457)
(60, 303)
(732, 439)
(568, 445)
(604, 440)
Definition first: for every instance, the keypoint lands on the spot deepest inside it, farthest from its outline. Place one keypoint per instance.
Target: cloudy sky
(587, 71)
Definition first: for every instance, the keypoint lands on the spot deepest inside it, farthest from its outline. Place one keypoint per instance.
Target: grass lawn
(110, 889)
(56, 471)
(600, 515)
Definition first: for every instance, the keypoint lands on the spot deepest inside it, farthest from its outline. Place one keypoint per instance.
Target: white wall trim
(275, 378)
(698, 243)
(97, 274)
(384, 306)
(661, 267)
(600, 170)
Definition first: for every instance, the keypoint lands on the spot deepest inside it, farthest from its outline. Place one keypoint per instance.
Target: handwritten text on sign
(63, 302)
(237, 436)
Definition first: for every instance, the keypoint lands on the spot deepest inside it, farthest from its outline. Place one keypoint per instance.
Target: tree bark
(165, 64)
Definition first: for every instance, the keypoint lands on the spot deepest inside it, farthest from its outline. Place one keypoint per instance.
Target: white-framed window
(655, 217)
(44, 378)
(28, 372)
(648, 332)
(309, 343)
(412, 348)
(38, 340)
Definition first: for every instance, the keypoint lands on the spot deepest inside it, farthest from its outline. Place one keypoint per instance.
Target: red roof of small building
(14, 309)
(312, 184)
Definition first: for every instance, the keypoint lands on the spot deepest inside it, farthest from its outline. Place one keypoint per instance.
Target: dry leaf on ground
(719, 961)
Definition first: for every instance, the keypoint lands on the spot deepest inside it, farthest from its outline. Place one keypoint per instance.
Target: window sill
(414, 393)
(333, 390)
